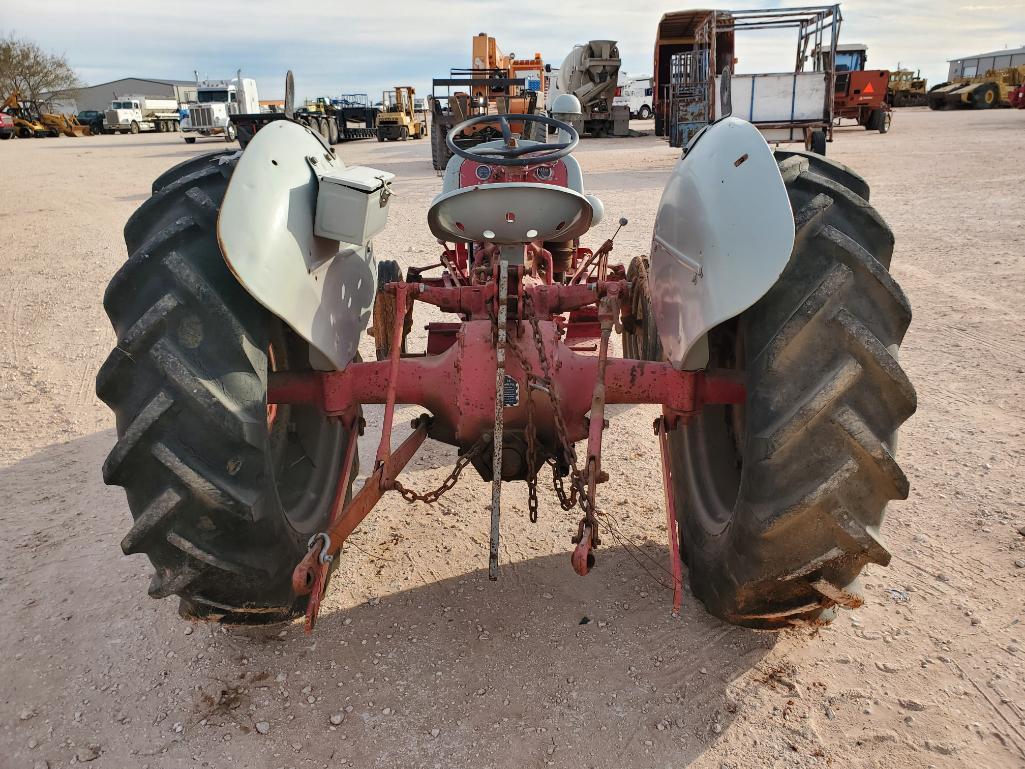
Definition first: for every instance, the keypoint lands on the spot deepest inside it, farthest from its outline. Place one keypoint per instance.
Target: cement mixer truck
(591, 73)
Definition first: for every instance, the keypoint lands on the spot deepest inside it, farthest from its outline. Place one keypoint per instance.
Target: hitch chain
(430, 497)
(578, 494)
(531, 443)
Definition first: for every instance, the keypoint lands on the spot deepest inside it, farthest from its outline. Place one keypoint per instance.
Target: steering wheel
(512, 155)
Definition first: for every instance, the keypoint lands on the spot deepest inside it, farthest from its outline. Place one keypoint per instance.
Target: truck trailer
(141, 114)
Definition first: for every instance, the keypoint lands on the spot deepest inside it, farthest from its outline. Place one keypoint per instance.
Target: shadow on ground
(522, 672)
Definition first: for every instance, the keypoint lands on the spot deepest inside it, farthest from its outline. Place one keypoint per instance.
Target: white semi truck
(135, 114)
(216, 102)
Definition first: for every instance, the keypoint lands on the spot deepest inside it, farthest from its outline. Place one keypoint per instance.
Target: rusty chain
(531, 448)
(430, 497)
(579, 491)
(566, 500)
(532, 502)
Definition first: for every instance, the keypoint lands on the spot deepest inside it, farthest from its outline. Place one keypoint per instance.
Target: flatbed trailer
(352, 123)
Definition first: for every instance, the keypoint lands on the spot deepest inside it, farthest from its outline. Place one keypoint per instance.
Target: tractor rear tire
(780, 501)
(831, 169)
(225, 491)
(440, 153)
(188, 167)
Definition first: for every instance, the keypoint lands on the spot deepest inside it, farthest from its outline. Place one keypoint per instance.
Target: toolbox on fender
(352, 204)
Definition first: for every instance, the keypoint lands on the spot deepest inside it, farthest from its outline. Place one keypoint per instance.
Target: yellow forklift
(399, 118)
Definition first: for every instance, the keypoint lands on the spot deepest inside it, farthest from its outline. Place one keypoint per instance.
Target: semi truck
(216, 102)
(140, 114)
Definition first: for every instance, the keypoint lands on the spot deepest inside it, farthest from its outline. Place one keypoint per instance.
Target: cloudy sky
(345, 46)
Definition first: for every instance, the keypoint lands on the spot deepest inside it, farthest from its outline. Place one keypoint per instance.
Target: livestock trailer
(694, 47)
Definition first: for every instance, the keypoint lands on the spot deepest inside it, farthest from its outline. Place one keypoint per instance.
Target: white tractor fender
(321, 288)
(723, 234)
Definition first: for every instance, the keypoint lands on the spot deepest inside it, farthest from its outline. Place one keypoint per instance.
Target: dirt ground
(422, 661)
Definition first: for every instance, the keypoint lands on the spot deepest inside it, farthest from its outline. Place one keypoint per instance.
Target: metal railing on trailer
(786, 106)
(356, 117)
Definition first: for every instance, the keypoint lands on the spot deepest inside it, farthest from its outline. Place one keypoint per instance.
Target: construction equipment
(1017, 97)
(765, 325)
(67, 125)
(495, 84)
(590, 72)
(991, 89)
(907, 88)
(859, 94)
(399, 119)
(319, 115)
(26, 118)
(697, 80)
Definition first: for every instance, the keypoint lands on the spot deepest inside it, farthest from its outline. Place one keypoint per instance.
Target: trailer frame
(685, 106)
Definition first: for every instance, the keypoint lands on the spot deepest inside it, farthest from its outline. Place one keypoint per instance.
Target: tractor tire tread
(826, 396)
(186, 382)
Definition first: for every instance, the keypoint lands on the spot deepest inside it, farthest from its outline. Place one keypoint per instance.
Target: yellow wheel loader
(64, 124)
(986, 91)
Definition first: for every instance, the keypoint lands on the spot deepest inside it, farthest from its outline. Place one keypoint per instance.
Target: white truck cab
(635, 93)
(216, 101)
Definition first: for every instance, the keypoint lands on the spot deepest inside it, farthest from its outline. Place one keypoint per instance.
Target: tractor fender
(321, 288)
(723, 235)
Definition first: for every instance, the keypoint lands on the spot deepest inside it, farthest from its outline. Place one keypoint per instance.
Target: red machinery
(859, 93)
(238, 388)
(1017, 97)
(526, 373)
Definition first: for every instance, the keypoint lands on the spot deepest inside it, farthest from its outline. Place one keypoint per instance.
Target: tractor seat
(514, 211)
(509, 213)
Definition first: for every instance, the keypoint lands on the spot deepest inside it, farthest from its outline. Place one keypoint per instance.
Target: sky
(341, 46)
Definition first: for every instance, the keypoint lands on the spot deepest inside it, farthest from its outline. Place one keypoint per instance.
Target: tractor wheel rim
(306, 452)
(715, 445)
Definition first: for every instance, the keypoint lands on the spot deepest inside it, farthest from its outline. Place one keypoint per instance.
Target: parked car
(92, 118)
(6, 126)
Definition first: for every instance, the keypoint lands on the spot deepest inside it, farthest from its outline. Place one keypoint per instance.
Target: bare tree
(34, 73)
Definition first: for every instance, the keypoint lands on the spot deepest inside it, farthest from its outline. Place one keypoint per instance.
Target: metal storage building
(970, 66)
(99, 96)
